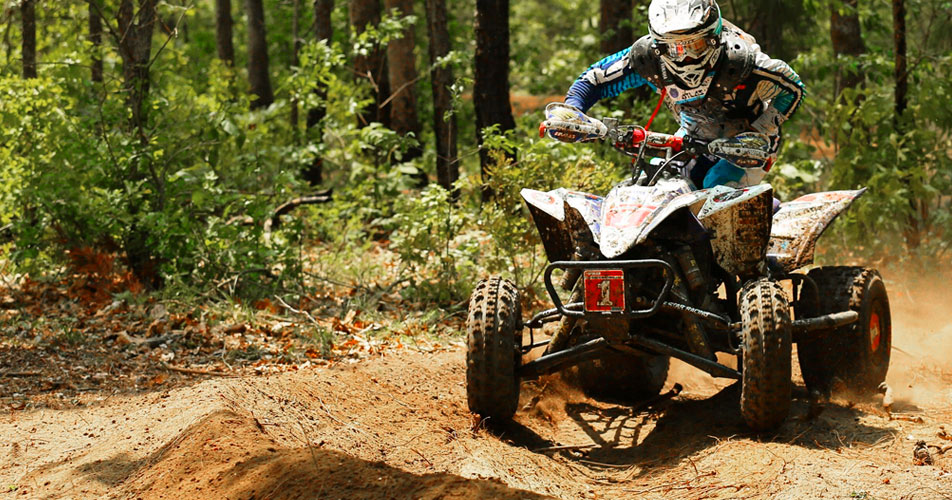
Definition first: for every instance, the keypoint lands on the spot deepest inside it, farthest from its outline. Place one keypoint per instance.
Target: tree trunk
(135, 49)
(95, 37)
(223, 31)
(314, 173)
(902, 76)
(912, 233)
(615, 25)
(322, 31)
(295, 48)
(769, 19)
(258, 68)
(403, 76)
(373, 66)
(846, 35)
(28, 17)
(444, 120)
(322, 19)
(491, 84)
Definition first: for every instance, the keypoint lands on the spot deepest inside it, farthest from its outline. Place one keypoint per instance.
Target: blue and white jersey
(761, 102)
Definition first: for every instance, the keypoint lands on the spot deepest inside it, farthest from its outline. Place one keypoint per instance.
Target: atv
(658, 269)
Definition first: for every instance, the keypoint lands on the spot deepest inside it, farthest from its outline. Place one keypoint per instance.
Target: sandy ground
(398, 427)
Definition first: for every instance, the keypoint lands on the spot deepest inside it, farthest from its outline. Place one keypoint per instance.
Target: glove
(567, 124)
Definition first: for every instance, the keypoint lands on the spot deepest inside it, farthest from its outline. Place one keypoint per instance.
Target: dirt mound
(232, 456)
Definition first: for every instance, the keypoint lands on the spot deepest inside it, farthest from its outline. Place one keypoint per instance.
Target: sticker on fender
(604, 290)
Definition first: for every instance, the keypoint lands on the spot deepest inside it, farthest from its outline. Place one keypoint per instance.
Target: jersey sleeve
(606, 78)
(780, 89)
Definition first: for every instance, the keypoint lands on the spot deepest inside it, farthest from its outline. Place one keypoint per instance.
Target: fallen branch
(300, 312)
(564, 447)
(193, 371)
(20, 374)
(906, 418)
(274, 221)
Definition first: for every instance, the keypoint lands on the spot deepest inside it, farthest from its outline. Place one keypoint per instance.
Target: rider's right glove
(568, 124)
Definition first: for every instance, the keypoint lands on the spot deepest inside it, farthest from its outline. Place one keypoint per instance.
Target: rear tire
(765, 381)
(856, 354)
(494, 328)
(620, 376)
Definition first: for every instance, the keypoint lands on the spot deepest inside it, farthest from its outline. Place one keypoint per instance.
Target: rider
(710, 74)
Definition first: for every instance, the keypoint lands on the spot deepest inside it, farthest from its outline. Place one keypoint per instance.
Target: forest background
(205, 151)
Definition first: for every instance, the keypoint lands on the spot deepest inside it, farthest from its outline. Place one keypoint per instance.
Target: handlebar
(568, 124)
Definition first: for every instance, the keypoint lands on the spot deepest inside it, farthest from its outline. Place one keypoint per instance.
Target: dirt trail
(398, 427)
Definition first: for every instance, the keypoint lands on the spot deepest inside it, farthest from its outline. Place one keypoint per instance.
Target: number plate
(604, 290)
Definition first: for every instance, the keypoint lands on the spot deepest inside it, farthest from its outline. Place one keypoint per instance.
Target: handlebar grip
(657, 140)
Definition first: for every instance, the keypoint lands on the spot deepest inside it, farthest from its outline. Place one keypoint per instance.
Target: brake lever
(695, 146)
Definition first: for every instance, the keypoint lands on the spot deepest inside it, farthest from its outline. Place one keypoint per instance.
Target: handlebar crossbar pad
(573, 131)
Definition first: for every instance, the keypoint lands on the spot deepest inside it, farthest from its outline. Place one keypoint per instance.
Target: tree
(258, 67)
(373, 65)
(322, 19)
(769, 20)
(615, 25)
(846, 36)
(444, 120)
(28, 18)
(403, 77)
(902, 75)
(323, 30)
(134, 39)
(135, 49)
(223, 31)
(913, 238)
(295, 49)
(95, 37)
(491, 83)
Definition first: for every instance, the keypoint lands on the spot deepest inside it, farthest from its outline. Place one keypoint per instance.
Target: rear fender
(799, 223)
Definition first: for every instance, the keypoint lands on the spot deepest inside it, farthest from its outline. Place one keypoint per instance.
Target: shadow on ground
(664, 434)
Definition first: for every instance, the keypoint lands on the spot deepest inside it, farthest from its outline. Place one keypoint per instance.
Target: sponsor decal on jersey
(680, 95)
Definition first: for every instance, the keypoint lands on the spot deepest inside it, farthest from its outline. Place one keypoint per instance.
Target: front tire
(766, 352)
(494, 329)
(856, 354)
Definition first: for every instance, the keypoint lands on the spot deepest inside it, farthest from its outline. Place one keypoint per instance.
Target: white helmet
(688, 35)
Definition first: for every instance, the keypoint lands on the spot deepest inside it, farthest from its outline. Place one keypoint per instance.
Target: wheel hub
(874, 335)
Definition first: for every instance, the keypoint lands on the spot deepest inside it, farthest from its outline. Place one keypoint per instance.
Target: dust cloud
(920, 371)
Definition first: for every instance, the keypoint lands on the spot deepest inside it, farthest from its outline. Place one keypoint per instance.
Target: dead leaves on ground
(80, 340)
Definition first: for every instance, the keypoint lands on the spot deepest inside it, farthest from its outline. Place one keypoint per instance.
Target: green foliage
(433, 240)
(904, 161)
(196, 187)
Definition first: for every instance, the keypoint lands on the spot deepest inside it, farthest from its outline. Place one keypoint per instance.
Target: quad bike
(657, 269)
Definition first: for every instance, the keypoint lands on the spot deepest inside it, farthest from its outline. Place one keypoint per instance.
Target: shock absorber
(692, 273)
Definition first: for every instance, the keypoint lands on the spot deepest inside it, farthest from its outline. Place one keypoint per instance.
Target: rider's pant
(723, 173)
(708, 174)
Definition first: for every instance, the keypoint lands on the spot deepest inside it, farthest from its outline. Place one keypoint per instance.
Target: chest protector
(734, 66)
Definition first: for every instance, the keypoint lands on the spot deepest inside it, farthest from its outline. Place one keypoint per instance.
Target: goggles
(689, 49)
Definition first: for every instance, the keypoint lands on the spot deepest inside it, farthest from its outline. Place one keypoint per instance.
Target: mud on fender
(739, 221)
